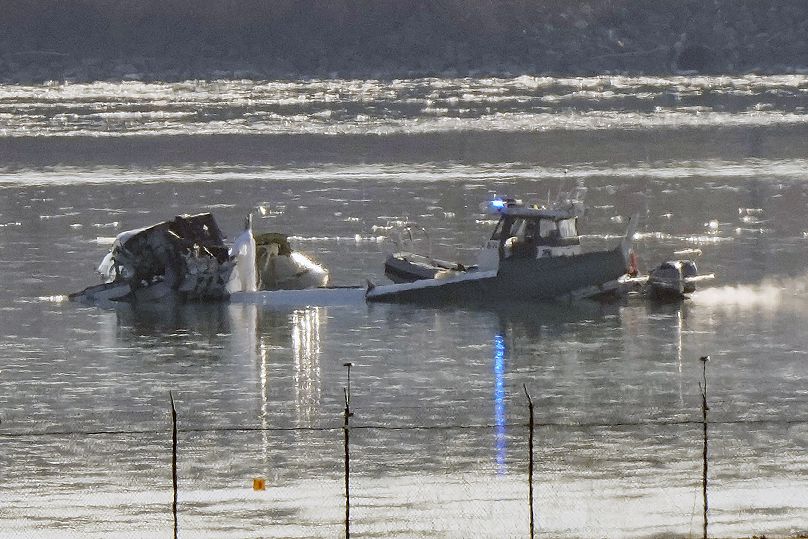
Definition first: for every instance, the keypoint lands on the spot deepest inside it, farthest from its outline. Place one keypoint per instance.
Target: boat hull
(516, 280)
(664, 292)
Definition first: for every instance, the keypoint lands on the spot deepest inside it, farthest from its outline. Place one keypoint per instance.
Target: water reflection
(499, 402)
(266, 338)
(146, 319)
(263, 373)
(265, 346)
(679, 325)
(306, 355)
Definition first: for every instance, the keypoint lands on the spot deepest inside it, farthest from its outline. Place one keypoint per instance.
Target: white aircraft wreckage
(186, 259)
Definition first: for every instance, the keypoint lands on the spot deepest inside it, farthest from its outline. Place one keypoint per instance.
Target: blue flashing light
(498, 203)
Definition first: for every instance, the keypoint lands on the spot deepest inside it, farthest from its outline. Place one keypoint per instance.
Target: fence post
(704, 409)
(530, 460)
(348, 365)
(174, 460)
(345, 429)
(346, 432)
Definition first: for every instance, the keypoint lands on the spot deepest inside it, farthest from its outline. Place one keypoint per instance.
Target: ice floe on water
(337, 107)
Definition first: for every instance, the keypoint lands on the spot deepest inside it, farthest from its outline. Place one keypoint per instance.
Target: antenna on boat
(560, 188)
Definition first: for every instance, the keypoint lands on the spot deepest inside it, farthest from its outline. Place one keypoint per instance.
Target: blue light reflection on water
(499, 402)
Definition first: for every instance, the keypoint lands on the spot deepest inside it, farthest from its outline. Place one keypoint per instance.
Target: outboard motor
(689, 269)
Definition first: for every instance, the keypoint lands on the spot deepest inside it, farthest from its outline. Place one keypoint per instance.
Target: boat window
(518, 228)
(567, 228)
(498, 230)
(531, 226)
(546, 228)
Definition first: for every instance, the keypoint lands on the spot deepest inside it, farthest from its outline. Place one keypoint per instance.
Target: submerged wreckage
(186, 259)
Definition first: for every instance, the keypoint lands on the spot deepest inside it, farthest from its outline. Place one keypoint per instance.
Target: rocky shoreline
(47, 40)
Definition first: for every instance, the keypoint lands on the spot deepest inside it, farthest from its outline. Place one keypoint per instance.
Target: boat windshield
(533, 229)
(567, 228)
(546, 228)
(563, 228)
(499, 229)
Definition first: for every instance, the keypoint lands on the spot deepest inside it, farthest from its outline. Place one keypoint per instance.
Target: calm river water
(439, 449)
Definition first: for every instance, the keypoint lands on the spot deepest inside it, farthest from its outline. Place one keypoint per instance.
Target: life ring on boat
(633, 270)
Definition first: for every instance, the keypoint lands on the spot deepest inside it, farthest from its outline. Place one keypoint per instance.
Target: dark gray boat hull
(516, 280)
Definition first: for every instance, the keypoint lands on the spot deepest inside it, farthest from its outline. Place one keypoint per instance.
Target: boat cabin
(536, 233)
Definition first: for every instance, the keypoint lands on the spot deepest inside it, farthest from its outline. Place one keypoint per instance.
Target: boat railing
(405, 236)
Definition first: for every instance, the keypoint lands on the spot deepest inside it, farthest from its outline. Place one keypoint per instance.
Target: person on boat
(522, 244)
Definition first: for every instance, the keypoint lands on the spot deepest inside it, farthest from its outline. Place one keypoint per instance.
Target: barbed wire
(435, 427)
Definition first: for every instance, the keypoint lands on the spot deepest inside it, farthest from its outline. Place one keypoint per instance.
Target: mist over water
(715, 164)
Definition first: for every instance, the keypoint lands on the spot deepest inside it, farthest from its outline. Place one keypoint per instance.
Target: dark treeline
(178, 39)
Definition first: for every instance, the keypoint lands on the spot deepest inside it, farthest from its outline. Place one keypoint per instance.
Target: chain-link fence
(98, 476)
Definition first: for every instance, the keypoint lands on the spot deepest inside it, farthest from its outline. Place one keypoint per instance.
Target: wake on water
(770, 293)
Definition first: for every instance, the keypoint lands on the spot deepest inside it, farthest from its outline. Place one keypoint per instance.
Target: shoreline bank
(47, 40)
